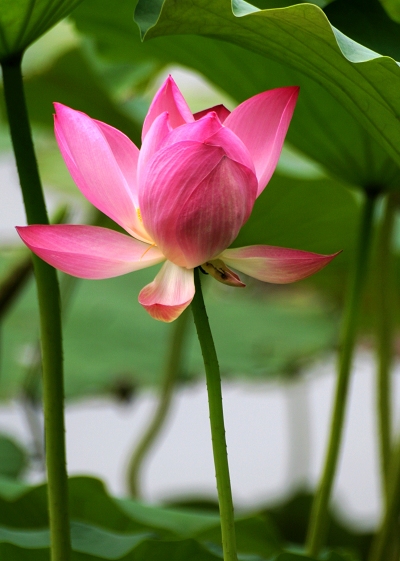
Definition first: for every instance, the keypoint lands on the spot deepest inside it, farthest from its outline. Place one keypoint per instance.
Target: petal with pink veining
(194, 200)
(126, 155)
(170, 292)
(198, 131)
(220, 110)
(275, 264)
(209, 130)
(261, 122)
(151, 143)
(168, 98)
(89, 252)
(93, 154)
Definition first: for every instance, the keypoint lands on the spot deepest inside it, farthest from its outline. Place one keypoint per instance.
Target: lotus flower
(182, 198)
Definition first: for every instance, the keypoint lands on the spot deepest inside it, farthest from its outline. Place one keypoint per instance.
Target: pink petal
(209, 130)
(233, 148)
(151, 143)
(89, 252)
(261, 122)
(169, 294)
(275, 264)
(220, 110)
(168, 98)
(194, 200)
(198, 131)
(98, 157)
(126, 155)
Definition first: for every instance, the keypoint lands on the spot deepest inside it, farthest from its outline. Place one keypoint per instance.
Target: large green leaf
(23, 21)
(321, 127)
(300, 36)
(366, 22)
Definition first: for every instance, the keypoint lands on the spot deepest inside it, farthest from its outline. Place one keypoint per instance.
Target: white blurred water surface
(276, 438)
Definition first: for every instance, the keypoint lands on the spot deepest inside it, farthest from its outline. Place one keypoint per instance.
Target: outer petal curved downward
(102, 162)
(170, 292)
(194, 201)
(89, 252)
(168, 98)
(261, 122)
(275, 264)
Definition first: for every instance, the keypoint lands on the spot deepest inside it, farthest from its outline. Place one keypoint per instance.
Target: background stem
(172, 371)
(319, 514)
(387, 537)
(216, 421)
(385, 303)
(49, 309)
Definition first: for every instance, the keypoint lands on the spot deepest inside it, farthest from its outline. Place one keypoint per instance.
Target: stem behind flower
(385, 303)
(216, 421)
(319, 514)
(173, 368)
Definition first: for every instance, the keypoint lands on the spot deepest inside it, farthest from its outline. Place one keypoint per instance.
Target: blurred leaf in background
(24, 21)
(107, 528)
(13, 458)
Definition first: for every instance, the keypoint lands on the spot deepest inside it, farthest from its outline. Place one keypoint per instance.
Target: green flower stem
(385, 297)
(216, 421)
(387, 537)
(49, 308)
(172, 370)
(319, 514)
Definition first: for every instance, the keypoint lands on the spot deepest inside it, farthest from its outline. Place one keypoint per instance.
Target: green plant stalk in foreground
(216, 421)
(173, 368)
(49, 309)
(319, 514)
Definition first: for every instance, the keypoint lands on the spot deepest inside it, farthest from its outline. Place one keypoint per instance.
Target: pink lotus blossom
(182, 198)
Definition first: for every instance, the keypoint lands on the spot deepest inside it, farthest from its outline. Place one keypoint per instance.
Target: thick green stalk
(49, 308)
(216, 421)
(319, 514)
(387, 537)
(385, 296)
(172, 370)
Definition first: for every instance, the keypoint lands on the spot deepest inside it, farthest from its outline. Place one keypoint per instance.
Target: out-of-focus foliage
(107, 528)
(23, 21)
(13, 458)
(72, 81)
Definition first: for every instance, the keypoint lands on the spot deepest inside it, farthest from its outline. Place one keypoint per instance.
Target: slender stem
(49, 308)
(216, 421)
(172, 370)
(319, 514)
(385, 295)
(387, 537)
